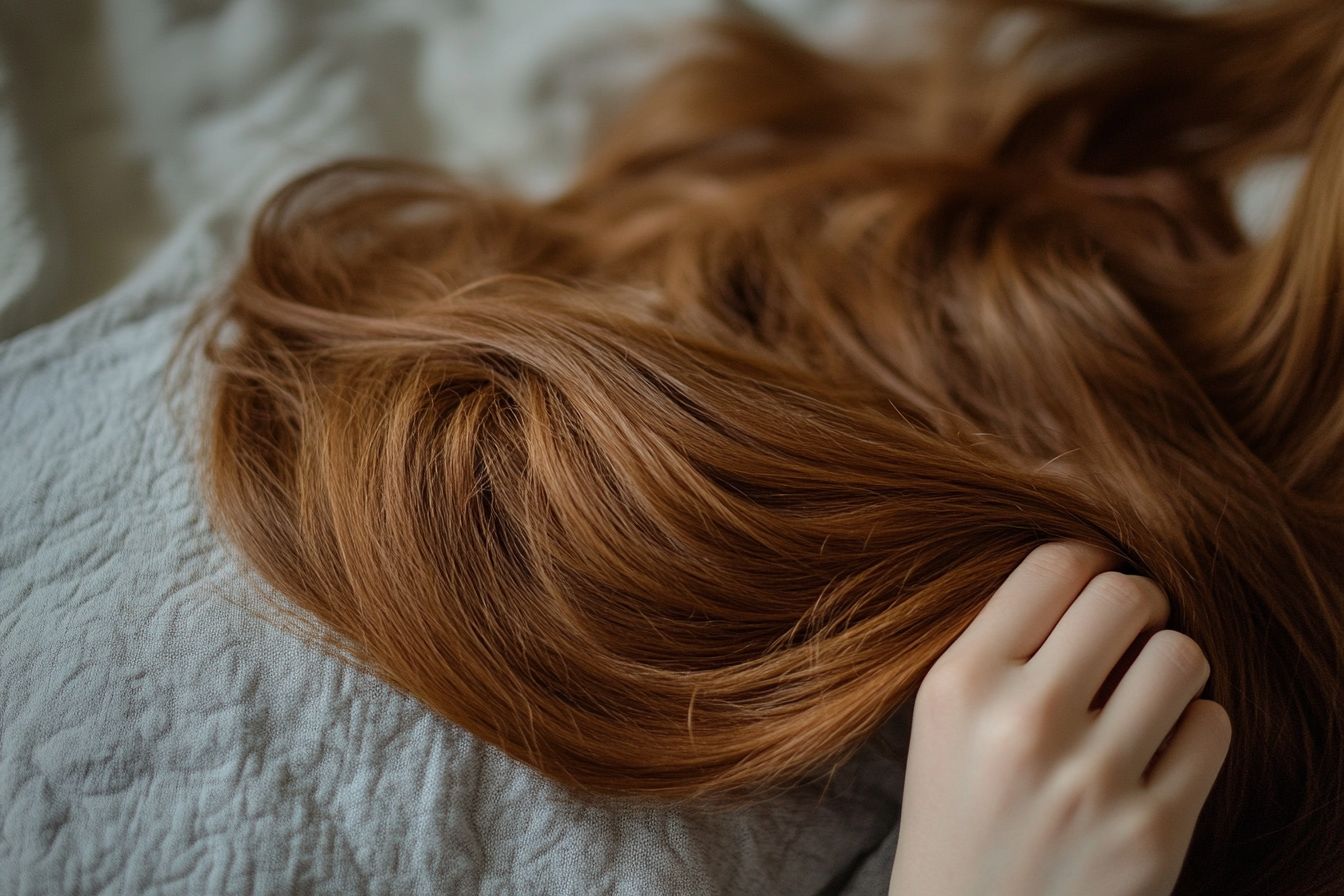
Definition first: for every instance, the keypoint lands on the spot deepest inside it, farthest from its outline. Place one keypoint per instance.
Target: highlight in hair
(677, 483)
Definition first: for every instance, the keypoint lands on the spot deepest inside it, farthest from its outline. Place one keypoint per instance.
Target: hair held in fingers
(677, 483)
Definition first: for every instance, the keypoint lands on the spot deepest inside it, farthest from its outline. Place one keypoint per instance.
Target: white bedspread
(157, 736)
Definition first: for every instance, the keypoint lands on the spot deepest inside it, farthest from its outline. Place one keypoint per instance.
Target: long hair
(677, 483)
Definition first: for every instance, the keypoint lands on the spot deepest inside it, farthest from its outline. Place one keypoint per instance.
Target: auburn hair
(677, 483)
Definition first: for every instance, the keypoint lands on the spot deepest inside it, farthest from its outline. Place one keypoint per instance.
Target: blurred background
(121, 118)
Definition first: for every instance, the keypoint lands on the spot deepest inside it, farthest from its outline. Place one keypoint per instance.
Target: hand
(1017, 784)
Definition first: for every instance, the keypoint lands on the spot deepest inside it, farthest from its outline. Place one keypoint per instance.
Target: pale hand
(1017, 785)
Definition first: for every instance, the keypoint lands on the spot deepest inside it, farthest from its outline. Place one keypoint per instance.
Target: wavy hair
(677, 483)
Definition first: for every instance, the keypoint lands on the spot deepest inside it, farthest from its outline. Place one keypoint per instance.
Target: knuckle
(1064, 559)
(1106, 770)
(1116, 588)
(1018, 733)
(1014, 744)
(1130, 595)
(1147, 832)
(1181, 652)
(1082, 787)
(1144, 850)
(950, 686)
(1160, 808)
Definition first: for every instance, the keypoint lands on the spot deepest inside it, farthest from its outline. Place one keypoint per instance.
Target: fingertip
(1183, 654)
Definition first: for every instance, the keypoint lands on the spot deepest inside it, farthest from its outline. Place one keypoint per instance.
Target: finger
(1096, 631)
(1022, 613)
(1185, 772)
(1169, 672)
